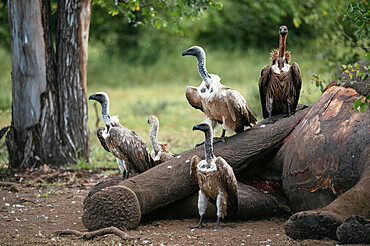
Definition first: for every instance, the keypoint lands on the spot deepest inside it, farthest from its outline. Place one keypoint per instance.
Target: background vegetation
(140, 65)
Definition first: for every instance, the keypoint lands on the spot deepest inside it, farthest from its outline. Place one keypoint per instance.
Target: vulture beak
(283, 30)
(92, 97)
(196, 127)
(185, 53)
(98, 97)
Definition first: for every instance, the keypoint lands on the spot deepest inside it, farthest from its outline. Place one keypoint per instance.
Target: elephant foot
(356, 229)
(313, 225)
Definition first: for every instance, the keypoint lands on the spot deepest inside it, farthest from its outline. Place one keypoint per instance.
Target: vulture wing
(227, 178)
(193, 97)
(297, 82)
(99, 134)
(131, 147)
(237, 102)
(262, 83)
(166, 153)
(193, 168)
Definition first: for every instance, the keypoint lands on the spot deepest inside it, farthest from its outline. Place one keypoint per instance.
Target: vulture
(215, 178)
(280, 83)
(131, 151)
(160, 152)
(219, 103)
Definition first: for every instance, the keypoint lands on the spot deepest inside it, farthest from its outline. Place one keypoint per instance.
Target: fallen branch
(14, 187)
(91, 234)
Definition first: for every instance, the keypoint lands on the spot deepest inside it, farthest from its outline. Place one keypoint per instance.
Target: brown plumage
(131, 148)
(160, 152)
(215, 178)
(280, 84)
(219, 103)
(222, 105)
(131, 151)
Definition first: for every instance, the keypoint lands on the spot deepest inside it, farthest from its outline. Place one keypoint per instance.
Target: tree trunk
(123, 203)
(49, 111)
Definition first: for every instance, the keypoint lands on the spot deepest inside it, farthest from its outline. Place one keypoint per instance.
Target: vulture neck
(154, 137)
(208, 145)
(282, 43)
(202, 68)
(105, 113)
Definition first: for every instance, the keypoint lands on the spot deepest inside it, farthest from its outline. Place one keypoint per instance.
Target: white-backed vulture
(160, 152)
(131, 151)
(280, 84)
(215, 178)
(219, 103)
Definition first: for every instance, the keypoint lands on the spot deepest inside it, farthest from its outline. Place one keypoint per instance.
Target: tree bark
(29, 81)
(246, 152)
(49, 111)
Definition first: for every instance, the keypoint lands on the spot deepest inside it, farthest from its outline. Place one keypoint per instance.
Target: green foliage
(249, 23)
(341, 30)
(362, 103)
(320, 84)
(359, 13)
(4, 26)
(157, 13)
(352, 72)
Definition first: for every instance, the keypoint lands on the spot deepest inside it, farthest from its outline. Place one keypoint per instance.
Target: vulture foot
(197, 227)
(217, 224)
(220, 139)
(289, 114)
(270, 121)
(200, 225)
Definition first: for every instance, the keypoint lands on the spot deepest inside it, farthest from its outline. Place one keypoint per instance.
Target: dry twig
(91, 234)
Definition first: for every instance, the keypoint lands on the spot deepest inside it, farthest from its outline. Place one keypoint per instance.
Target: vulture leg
(270, 120)
(202, 207)
(289, 105)
(125, 174)
(122, 168)
(218, 223)
(223, 135)
(220, 213)
(200, 225)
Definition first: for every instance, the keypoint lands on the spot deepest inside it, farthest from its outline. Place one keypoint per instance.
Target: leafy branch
(353, 71)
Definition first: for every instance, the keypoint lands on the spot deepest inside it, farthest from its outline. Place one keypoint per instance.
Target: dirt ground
(35, 205)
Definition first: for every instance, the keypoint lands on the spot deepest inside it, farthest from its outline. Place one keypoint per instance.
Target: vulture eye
(203, 90)
(211, 90)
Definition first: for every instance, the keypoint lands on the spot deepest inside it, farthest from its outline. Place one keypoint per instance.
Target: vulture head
(103, 99)
(283, 30)
(193, 51)
(204, 127)
(100, 97)
(153, 121)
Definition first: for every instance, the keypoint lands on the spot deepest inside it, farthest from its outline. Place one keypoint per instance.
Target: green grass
(158, 88)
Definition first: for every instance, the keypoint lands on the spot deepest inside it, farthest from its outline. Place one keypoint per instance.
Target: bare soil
(34, 205)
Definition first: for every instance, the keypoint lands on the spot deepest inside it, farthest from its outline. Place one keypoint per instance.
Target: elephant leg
(324, 222)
